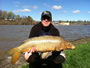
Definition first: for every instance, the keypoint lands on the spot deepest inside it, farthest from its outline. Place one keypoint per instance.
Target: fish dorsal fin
(44, 55)
(27, 40)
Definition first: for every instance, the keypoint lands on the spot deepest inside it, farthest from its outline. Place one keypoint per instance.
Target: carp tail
(15, 57)
(15, 53)
(11, 51)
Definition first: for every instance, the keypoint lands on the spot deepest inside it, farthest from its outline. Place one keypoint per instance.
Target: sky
(71, 10)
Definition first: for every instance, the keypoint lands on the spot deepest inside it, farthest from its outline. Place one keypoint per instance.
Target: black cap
(46, 13)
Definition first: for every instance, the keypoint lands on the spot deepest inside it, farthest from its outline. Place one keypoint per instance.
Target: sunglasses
(46, 17)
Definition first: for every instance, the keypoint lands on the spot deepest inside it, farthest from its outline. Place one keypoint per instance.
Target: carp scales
(42, 44)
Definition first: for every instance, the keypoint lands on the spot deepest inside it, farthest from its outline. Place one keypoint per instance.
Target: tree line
(11, 18)
(78, 22)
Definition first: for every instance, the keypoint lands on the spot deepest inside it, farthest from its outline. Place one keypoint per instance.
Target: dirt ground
(5, 61)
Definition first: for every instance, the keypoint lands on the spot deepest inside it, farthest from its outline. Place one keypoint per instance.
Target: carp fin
(44, 55)
(11, 51)
(27, 40)
(15, 54)
(15, 57)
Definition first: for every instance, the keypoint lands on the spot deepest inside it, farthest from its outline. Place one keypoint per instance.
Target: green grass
(24, 66)
(78, 58)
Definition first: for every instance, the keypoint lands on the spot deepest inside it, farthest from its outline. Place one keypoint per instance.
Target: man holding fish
(53, 59)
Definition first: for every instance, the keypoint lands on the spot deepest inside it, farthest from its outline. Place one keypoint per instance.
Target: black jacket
(50, 30)
(35, 31)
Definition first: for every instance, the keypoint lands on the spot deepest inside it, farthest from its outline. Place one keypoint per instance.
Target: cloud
(76, 11)
(35, 7)
(46, 5)
(57, 7)
(88, 11)
(40, 13)
(63, 11)
(17, 2)
(26, 6)
(16, 5)
(22, 10)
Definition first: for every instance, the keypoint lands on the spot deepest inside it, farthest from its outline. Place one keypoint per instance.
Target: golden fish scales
(42, 44)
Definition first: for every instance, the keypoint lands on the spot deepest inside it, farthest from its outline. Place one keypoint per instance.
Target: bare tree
(10, 15)
(0, 14)
(18, 17)
(4, 14)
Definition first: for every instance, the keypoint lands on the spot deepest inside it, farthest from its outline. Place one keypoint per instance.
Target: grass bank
(78, 58)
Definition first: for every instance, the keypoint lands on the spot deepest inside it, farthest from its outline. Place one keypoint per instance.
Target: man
(53, 59)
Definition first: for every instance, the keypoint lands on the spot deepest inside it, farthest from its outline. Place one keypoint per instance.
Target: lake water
(13, 35)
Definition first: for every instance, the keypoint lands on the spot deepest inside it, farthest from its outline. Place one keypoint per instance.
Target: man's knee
(34, 58)
(59, 59)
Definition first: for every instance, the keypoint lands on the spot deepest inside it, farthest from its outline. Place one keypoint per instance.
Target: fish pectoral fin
(44, 55)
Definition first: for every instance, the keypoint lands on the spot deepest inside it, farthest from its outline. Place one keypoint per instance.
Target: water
(74, 32)
(13, 35)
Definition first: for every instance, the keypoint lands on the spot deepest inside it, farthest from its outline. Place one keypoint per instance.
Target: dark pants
(36, 62)
(45, 64)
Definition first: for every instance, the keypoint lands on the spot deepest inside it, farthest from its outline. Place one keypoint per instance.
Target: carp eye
(68, 43)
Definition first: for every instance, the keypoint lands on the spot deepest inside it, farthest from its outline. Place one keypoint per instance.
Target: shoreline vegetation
(9, 18)
(78, 58)
(28, 22)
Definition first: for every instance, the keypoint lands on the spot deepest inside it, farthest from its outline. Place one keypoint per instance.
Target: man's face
(45, 20)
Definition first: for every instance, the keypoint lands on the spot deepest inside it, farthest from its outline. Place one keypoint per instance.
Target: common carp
(43, 44)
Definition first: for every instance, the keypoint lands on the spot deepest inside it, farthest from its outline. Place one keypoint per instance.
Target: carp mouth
(73, 47)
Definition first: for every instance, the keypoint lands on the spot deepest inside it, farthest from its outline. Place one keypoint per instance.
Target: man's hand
(29, 53)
